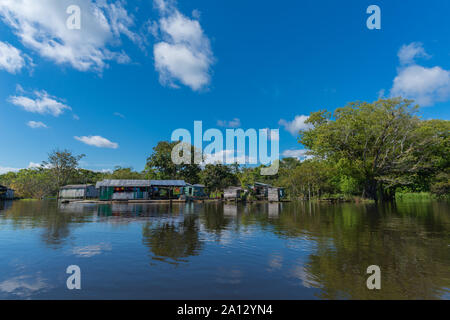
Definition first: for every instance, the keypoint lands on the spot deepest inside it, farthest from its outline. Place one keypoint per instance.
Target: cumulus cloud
(235, 123)
(41, 26)
(31, 165)
(184, 55)
(4, 170)
(117, 114)
(97, 141)
(40, 102)
(11, 58)
(36, 124)
(424, 85)
(298, 153)
(408, 53)
(35, 165)
(295, 125)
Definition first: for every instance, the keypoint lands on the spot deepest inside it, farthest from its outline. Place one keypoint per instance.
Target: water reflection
(304, 249)
(172, 240)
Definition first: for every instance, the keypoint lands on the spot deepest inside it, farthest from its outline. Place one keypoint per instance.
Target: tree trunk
(370, 189)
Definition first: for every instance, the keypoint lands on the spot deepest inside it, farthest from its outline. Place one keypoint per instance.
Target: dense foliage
(366, 150)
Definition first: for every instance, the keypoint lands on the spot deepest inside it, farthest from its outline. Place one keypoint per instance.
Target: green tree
(62, 165)
(380, 140)
(217, 177)
(34, 183)
(120, 173)
(160, 165)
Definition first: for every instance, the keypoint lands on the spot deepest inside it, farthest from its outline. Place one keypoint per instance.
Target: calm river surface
(221, 251)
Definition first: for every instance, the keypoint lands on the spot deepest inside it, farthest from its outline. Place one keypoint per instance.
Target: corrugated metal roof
(77, 186)
(168, 183)
(123, 183)
(262, 184)
(141, 183)
(234, 188)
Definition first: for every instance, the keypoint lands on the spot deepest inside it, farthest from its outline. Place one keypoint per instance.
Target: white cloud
(295, 153)
(295, 125)
(42, 103)
(11, 58)
(196, 14)
(4, 170)
(97, 141)
(408, 53)
(31, 165)
(36, 124)
(235, 123)
(34, 165)
(41, 26)
(185, 54)
(424, 85)
(117, 114)
(300, 154)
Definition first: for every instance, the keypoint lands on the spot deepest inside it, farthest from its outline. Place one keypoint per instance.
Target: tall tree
(217, 177)
(160, 165)
(62, 165)
(379, 140)
(125, 173)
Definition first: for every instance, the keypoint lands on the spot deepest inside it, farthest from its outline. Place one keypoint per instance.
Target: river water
(224, 251)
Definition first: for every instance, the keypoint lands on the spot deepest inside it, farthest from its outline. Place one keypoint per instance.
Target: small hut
(167, 189)
(233, 193)
(196, 191)
(78, 191)
(261, 190)
(275, 194)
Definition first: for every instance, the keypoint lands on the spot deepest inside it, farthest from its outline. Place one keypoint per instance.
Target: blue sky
(138, 70)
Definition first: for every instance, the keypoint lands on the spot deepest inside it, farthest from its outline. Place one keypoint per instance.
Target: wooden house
(117, 190)
(263, 191)
(78, 191)
(233, 193)
(167, 189)
(195, 191)
(123, 190)
(275, 194)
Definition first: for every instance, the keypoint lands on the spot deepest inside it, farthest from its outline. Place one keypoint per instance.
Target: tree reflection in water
(55, 220)
(172, 240)
(306, 249)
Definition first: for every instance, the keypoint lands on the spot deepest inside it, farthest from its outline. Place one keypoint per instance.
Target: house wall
(92, 192)
(71, 193)
(231, 194)
(274, 194)
(78, 193)
(128, 196)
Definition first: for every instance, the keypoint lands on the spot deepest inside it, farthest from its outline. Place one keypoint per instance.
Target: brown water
(220, 251)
